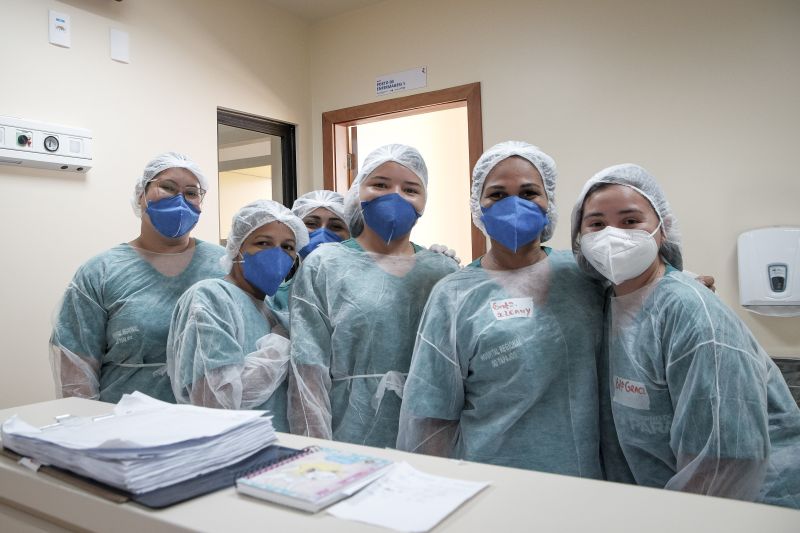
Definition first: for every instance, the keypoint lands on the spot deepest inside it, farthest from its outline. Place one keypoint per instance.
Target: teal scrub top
(117, 309)
(511, 356)
(216, 324)
(351, 318)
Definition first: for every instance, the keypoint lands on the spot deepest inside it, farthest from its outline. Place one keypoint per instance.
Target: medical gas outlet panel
(29, 143)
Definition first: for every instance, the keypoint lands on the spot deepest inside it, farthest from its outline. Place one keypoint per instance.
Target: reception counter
(516, 500)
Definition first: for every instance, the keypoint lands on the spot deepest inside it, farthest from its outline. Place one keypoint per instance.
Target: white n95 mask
(620, 254)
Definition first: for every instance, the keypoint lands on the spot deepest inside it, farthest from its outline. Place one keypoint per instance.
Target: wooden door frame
(335, 123)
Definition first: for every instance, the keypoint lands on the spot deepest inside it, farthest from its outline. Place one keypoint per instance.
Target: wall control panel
(35, 144)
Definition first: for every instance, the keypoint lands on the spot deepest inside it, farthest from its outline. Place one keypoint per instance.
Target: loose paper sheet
(406, 499)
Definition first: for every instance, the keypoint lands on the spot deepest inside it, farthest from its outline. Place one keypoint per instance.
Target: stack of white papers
(145, 444)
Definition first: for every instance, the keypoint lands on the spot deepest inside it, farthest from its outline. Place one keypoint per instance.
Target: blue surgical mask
(173, 217)
(317, 237)
(266, 270)
(390, 216)
(514, 222)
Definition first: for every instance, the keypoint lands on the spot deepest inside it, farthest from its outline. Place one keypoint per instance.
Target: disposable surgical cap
(401, 154)
(500, 152)
(333, 201)
(640, 180)
(159, 164)
(253, 216)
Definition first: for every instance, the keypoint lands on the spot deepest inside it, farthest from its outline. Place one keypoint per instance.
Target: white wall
(703, 93)
(441, 138)
(187, 58)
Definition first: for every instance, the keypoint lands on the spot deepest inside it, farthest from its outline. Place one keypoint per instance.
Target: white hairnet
(330, 200)
(640, 180)
(253, 216)
(159, 164)
(404, 155)
(499, 152)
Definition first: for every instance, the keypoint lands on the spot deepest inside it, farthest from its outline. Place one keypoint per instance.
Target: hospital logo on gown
(512, 308)
(631, 393)
(124, 335)
(505, 353)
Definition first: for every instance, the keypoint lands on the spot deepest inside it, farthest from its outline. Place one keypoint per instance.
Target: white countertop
(516, 500)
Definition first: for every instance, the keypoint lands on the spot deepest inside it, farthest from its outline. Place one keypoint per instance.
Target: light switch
(120, 46)
(59, 29)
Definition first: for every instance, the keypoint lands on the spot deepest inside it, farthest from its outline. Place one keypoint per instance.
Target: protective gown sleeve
(78, 339)
(717, 378)
(309, 404)
(207, 364)
(433, 397)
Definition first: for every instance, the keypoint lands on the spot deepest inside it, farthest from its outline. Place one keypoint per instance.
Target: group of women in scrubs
(605, 362)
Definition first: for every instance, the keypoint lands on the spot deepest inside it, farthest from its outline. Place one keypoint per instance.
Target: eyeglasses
(168, 189)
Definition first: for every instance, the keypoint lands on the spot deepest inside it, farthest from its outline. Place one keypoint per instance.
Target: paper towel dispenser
(769, 271)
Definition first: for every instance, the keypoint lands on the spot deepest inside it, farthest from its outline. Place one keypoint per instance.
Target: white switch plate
(59, 29)
(120, 46)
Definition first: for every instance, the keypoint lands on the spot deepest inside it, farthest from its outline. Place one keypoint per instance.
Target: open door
(448, 134)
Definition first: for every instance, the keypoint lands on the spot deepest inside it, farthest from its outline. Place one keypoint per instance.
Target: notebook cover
(315, 475)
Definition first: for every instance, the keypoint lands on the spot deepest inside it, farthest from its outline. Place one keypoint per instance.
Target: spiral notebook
(313, 479)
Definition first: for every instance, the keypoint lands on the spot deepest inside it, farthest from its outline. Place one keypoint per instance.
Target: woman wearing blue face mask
(690, 401)
(110, 332)
(504, 364)
(322, 212)
(356, 305)
(226, 348)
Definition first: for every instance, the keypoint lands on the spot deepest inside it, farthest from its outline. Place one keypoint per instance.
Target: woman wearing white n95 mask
(355, 307)
(110, 332)
(504, 365)
(690, 400)
(226, 348)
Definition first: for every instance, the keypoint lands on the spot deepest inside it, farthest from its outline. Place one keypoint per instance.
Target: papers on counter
(145, 444)
(406, 499)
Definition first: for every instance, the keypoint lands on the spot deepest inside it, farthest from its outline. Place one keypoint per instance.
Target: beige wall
(441, 138)
(702, 93)
(187, 58)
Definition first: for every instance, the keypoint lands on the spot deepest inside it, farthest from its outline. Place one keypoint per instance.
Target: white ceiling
(314, 10)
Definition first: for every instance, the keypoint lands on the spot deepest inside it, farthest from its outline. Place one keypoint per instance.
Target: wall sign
(402, 81)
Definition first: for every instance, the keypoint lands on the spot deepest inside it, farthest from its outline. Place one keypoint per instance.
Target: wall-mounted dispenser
(29, 143)
(769, 271)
